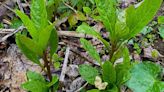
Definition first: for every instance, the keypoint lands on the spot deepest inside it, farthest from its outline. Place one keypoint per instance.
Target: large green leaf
(39, 14)
(27, 51)
(28, 23)
(137, 18)
(35, 83)
(35, 86)
(53, 41)
(91, 50)
(30, 44)
(107, 11)
(84, 28)
(121, 29)
(145, 78)
(88, 73)
(44, 36)
(109, 73)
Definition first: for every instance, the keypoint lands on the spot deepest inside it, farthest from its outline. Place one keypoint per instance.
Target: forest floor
(13, 64)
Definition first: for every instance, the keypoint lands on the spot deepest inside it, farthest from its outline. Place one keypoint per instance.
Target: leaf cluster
(122, 25)
(42, 34)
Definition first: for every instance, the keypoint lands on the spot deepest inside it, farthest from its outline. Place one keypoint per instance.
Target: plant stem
(47, 65)
(113, 49)
(46, 62)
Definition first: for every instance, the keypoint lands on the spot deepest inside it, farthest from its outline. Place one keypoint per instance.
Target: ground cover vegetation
(133, 25)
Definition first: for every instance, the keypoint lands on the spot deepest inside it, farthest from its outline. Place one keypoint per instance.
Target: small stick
(70, 7)
(20, 5)
(64, 68)
(78, 90)
(70, 34)
(27, 4)
(6, 31)
(8, 35)
(71, 43)
(60, 33)
(7, 7)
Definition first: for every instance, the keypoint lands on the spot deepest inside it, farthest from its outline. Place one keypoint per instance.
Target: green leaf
(137, 18)
(123, 69)
(57, 65)
(52, 6)
(39, 14)
(107, 11)
(35, 83)
(161, 31)
(35, 76)
(145, 78)
(44, 36)
(93, 90)
(56, 86)
(109, 73)
(122, 74)
(161, 20)
(53, 41)
(146, 30)
(27, 51)
(35, 86)
(121, 29)
(88, 73)
(118, 53)
(1, 25)
(161, 85)
(73, 19)
(80, 16)
(91, 50)
(29, 24)
(126, 56)
(54, 80)
(84, 28)
(30, 44)
(92, 1)
(16, 23)
(87, 10)
(113, 88)
(57, 58)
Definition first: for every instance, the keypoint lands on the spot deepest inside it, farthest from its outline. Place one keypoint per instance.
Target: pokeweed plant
(43, 34)
(121, 25)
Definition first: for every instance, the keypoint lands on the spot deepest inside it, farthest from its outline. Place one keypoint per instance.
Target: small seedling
(43, 34)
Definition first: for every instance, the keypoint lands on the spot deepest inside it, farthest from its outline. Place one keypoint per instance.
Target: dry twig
(60, 33)
(78, 90)
(10, 34)
(64, 68)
